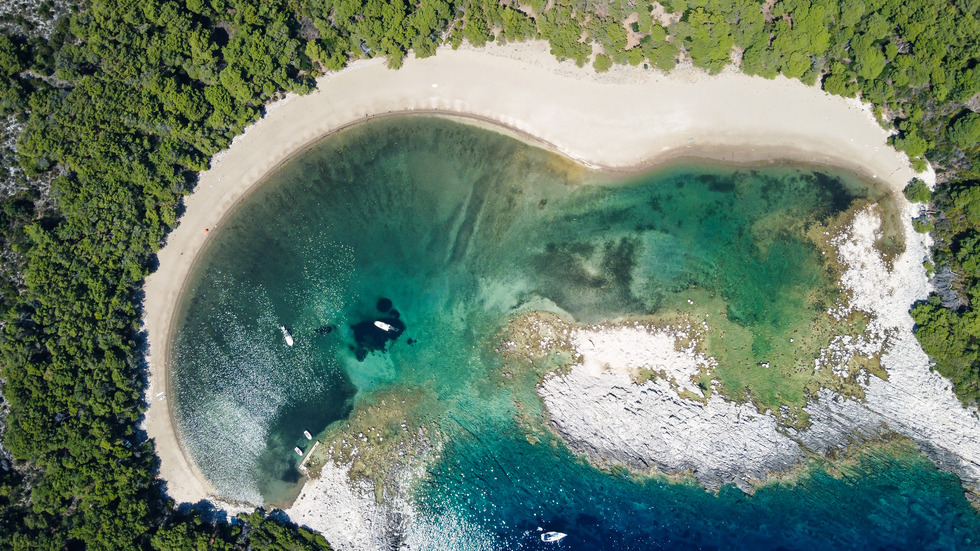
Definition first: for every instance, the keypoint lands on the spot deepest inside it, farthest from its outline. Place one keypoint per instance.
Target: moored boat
(552, 537)
(298, 451)
(383, 326)
(286, 335)
(307, 434)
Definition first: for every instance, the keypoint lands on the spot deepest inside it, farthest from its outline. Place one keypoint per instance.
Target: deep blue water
(890, 498)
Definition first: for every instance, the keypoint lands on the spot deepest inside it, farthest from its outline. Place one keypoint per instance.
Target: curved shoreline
(627, 119)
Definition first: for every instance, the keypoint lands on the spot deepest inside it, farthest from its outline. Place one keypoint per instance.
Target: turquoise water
(507, 488)
(444, 231)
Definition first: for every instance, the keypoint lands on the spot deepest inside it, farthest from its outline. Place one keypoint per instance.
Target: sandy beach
(628, 118)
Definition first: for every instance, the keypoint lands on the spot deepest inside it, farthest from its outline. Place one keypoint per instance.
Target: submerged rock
(373, 335)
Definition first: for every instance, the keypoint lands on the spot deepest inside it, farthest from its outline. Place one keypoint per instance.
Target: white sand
(625, 118)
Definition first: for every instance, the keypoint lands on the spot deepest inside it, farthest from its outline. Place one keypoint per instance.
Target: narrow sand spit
(626, 118)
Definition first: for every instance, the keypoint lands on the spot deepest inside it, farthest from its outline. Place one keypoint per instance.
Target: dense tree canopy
(966, 131)
(127, 100)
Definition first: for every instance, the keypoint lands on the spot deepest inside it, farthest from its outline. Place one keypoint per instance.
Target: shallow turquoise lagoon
(443, 232)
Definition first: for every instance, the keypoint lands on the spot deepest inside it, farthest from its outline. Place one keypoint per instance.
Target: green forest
(111, 108)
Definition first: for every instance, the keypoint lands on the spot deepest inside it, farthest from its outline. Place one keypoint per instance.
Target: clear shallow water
(460, 228)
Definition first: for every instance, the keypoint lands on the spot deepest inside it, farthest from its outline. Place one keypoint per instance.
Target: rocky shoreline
(635, 397)
(651, 427)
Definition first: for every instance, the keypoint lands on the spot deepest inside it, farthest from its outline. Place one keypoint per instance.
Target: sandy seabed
(629, 118)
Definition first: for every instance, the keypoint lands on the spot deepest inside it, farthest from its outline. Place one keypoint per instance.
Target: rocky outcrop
(649, 426)
(346, 513)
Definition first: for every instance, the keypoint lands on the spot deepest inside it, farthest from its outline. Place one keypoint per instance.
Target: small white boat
(383, 326)
(552, 537)
(298, 451)
(307, 434)
(286, 335)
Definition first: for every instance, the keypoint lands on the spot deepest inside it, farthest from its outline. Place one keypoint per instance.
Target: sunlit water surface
(444, 231)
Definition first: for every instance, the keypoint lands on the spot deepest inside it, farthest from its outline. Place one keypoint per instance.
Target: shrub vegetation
(128, 100)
